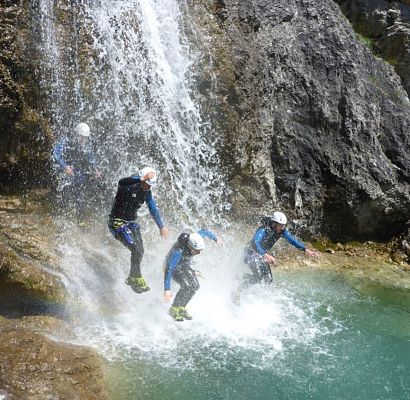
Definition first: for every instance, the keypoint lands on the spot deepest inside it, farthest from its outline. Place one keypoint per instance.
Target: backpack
(267, 222)
(183, 239)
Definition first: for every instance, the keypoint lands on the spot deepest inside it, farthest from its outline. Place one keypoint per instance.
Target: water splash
(130, 76)
(270, 320)
(132, 80)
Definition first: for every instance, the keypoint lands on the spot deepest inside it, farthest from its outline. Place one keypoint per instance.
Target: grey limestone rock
(318, 126)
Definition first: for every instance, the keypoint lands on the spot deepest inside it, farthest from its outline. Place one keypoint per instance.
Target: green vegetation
(370, 43)
(322, 244)
(393, 60)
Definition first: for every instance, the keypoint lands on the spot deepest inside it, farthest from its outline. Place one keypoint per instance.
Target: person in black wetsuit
(132, 193)
(78, 172)
(256, 254)
(178, 267)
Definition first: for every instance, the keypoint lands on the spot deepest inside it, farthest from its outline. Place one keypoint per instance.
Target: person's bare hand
(269, 259)
(164, 232)
(167, 296)
(311, 253)
(69, 170)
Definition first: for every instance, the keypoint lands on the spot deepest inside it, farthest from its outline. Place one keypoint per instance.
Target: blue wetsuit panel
(207, 234)
(174, 259)
(58, 153)
(293, 241)
(258, 238)
(153, 209)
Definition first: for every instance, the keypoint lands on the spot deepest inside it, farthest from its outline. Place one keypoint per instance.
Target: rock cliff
(25, 135)
(313, 122)
(385, 27)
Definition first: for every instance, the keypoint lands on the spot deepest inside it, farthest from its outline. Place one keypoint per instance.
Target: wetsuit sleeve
(58, 152)
(131, 180)
(153, 209)
(293, 241)
(172, 263)
(208, 234)
(257, 238)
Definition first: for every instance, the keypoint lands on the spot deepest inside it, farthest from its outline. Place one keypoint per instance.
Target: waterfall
(126, 68)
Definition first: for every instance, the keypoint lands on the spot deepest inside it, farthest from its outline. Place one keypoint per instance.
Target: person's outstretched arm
(155, 213)
(172, 263)
(210, 235)
(299, 245)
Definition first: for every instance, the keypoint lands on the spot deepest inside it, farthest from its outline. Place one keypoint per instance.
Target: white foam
(268, 321)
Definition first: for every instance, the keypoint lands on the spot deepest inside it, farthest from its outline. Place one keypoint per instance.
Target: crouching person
(178, 268)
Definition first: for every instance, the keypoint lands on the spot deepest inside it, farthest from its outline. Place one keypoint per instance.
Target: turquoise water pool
(330, 339)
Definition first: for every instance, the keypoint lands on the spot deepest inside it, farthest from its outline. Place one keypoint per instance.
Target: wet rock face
(311, 121)
(386, 25)
(25, 136)
(317, 125)
(36, 368)
(27, 251)
(31, 291)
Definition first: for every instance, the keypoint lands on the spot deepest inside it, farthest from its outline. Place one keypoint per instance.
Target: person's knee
(137, 250)
(194, 287)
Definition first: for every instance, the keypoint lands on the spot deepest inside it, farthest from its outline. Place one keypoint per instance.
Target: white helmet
(83, 129)
(196, 242)
(279, 217)
(153, 181)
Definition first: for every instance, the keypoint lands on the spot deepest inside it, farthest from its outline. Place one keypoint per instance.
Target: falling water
(127, 69)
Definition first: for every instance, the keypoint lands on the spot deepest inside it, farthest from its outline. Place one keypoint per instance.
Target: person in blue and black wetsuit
(178, 267)
(132, 193)
(78, 168)
(256, 254)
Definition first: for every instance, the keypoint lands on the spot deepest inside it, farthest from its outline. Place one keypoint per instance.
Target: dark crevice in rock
(16, 301)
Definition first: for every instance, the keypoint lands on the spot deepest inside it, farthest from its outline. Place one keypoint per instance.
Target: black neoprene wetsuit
(129, 198)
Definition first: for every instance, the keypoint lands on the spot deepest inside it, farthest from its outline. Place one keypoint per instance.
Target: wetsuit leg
(188, 281)
(261, 271)
(131, 238)
(67, 195)
(81, 188)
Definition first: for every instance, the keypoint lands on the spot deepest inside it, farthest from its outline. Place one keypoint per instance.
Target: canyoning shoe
(175, 313)
(184, 313)
(138, 285)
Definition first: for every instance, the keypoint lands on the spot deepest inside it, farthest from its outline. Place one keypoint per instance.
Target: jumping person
(78, 169)
(256, 254)
(178, 267)
(131, 194)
